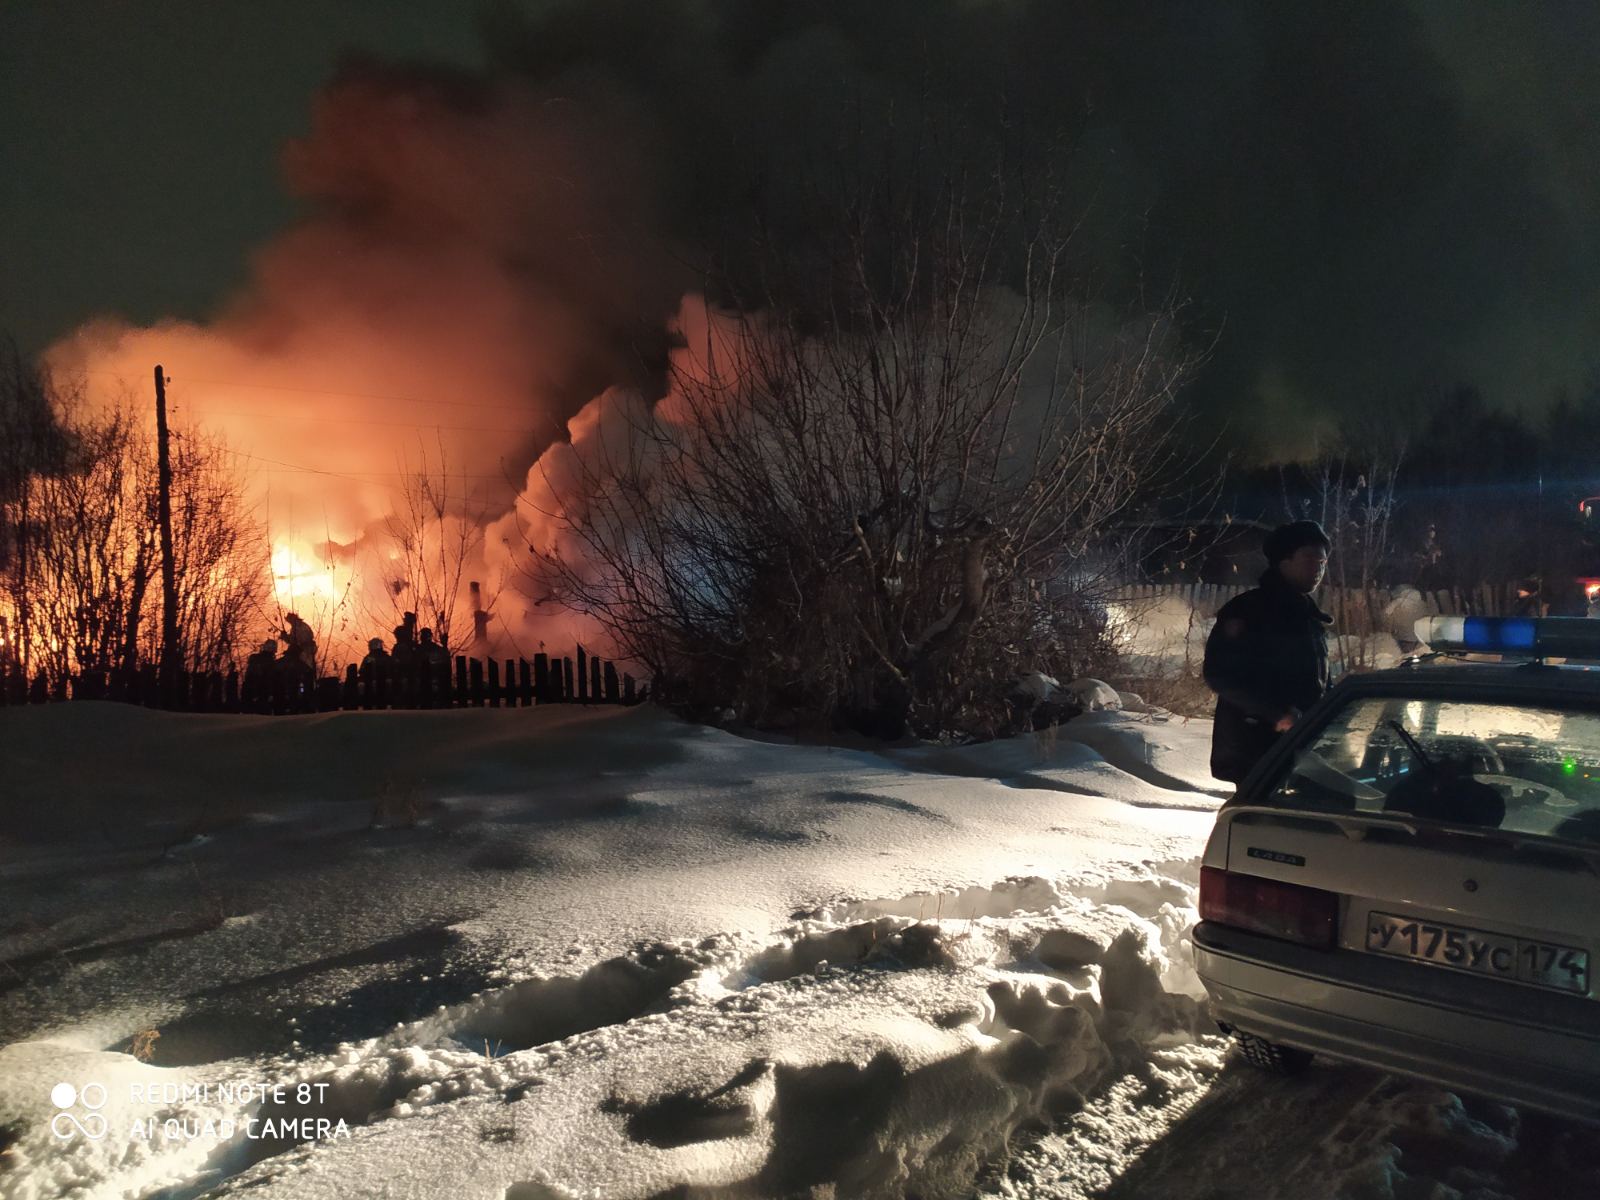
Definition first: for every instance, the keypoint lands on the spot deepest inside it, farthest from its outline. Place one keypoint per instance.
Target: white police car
(1411, 879)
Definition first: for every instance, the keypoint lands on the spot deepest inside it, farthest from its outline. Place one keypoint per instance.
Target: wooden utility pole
(170, 660)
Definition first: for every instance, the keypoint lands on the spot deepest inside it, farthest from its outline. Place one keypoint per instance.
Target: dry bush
(871, 502)
(1181, 691)
(1161, 654)
(143, 1046)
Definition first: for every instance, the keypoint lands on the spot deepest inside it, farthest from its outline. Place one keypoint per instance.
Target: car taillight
(1281, 910)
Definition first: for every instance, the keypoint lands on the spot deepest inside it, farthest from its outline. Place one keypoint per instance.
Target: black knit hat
(1283, 541)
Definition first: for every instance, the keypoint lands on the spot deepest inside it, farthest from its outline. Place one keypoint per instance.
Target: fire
(441, 309)
(295, 578)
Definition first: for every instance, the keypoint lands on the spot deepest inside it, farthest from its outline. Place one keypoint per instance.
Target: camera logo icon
(92, 1125)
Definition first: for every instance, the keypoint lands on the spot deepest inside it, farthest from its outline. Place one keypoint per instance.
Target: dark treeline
(1446, 491)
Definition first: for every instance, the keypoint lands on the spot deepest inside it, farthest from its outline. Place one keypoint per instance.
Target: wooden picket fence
(463, 682)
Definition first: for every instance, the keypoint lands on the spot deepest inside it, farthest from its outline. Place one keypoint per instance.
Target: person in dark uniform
(298, 667)
(431, 652)
(405, 642)
(1267, 657)
(259, 670)
(300, 649)
(377, 658)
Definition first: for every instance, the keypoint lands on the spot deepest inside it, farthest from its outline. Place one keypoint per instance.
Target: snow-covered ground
(604, 953)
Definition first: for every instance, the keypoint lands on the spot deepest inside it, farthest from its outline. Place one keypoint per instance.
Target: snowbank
(571, 952)
(578, 953)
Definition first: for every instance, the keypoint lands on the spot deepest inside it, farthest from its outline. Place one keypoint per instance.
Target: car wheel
(1271, 1056)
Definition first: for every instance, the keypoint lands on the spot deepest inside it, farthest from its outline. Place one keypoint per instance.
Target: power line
(370, 475)
(311, 470)
(374, 477)
(272, 387)
(352, 475)
(371, 421)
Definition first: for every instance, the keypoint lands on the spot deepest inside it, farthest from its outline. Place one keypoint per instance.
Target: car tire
(1272, 1056)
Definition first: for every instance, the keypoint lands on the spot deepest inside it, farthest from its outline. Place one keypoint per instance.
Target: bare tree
(435, 533)
(223, 560)
(92, 552)
(31, 443)
(1353, 497)
(78, 538)
(875, 507)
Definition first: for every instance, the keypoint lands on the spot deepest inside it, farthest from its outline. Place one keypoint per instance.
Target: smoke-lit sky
(1365, 199)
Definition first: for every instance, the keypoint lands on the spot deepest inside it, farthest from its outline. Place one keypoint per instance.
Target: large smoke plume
(1361, 203)
(474, 264)
(1355, 202)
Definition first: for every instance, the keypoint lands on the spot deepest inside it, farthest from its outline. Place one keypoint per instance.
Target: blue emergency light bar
(1518, 637)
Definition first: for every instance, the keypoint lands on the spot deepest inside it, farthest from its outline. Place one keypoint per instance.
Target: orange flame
(296, 579)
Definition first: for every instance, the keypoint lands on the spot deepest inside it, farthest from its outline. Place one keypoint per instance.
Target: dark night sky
(1367, 199)
(139, 141)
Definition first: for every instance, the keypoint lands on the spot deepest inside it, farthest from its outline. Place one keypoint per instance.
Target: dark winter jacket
(259, 669)
(1266, 658)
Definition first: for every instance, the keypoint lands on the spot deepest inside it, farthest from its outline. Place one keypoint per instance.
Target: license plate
(1542, 964)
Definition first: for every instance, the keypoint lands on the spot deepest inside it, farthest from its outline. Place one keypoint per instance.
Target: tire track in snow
(1080, 759)
(1188, 1125)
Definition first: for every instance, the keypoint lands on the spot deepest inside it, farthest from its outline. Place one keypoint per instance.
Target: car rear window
(1526, 770)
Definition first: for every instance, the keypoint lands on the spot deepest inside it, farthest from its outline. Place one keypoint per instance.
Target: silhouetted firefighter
(298, 667)
(260, 672)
